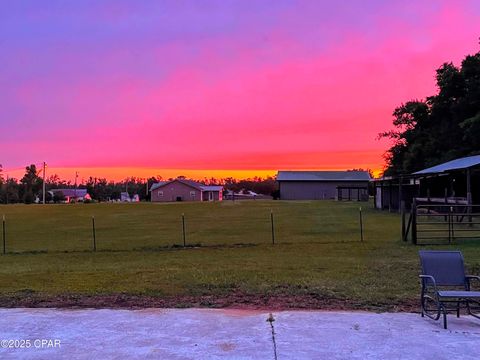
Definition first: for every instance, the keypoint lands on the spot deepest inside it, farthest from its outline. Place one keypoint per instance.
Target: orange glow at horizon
(120, 173)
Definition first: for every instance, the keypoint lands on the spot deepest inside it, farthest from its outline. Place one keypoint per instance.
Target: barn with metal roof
(323, 185)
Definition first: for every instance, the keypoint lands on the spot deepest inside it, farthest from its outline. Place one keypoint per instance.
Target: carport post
(400, 193)
(390, 196)
(413, 213)
(4, 235)
(94, 234)
(183, 230)
(469, 195)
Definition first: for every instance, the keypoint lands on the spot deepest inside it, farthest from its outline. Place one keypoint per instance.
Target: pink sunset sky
(216, 88)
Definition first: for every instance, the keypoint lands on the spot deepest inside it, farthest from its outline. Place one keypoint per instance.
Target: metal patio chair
(444, 283)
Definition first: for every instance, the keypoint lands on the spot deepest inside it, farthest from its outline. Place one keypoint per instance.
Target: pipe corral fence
(432, 223)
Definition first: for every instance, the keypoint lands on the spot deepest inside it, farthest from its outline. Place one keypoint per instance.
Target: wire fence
(128, 230)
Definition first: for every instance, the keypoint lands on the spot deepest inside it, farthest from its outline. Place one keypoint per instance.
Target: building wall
(217, 196)
(388, 197)
(175, 190)
(313, 190)
(358, 194)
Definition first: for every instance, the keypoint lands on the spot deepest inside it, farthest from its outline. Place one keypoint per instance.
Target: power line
(4, 170)
(13, 169)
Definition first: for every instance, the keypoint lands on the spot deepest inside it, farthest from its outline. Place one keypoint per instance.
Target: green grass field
(318, 254)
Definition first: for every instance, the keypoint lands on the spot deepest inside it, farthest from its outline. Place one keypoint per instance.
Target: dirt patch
(226, 346)
(237, 300)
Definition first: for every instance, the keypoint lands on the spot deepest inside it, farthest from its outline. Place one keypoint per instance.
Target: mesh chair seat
(459, 294)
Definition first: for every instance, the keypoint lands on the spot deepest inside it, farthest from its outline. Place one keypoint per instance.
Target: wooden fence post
(451, 235)
(414, 222)
(449, 221)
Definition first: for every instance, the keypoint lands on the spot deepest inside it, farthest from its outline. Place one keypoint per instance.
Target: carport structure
(455, 182)
(451, 182)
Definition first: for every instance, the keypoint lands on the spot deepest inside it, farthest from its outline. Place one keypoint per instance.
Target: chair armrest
(471, 277)
(430, 277)
(425, 281)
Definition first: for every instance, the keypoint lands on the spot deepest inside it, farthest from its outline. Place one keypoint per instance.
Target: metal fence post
(94, 234)
(402, 210)
(183, 230)
(4, 237)
(273, 227)
(361, 224)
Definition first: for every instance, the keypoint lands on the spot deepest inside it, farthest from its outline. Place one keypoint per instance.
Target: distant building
(184, 190)
(72, 195)
(323, 185)
(244, 195)
(125, 197)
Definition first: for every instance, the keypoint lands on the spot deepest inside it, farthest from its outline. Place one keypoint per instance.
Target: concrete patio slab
(234, 334)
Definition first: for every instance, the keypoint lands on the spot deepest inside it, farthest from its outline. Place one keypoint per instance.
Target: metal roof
(323, 176)
(191, 183)
(211, 188)
(457, 164)
(71, 192)
(157, 185)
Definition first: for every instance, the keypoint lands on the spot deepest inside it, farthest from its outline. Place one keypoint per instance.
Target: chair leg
(469, 312)
(469, 309)
(444, 317)
(458, 309)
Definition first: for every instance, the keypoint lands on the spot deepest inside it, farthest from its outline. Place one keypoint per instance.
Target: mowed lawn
(317, 251)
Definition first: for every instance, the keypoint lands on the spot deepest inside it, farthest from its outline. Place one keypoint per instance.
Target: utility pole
(76, 176)
(44, 166)
(6, 190)
(146, 189)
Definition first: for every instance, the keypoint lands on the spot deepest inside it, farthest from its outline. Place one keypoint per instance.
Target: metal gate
(443, 223)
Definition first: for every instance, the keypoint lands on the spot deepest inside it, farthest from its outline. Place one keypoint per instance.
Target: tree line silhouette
(29, 188)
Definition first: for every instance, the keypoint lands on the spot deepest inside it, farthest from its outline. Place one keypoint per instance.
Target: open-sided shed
(453, 182)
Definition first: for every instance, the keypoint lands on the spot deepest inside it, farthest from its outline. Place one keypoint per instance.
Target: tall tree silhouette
(441, 127)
